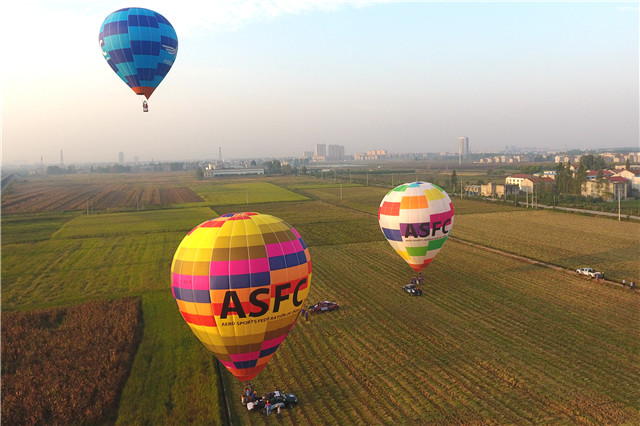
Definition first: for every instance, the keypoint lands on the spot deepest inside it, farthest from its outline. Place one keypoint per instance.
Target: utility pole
(618, 193)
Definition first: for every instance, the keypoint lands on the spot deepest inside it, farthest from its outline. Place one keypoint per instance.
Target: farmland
(492, 340)
(93, 193)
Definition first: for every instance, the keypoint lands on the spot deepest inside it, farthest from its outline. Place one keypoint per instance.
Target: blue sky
(270, 78)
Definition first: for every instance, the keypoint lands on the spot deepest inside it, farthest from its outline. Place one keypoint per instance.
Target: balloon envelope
(140, 45)
(240, 281)
(416, 218)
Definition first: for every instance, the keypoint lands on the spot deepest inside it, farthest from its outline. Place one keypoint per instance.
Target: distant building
(593, 174)
(472, 189)
(335, 152)
(372, 154)
(463, 147)
(506, 190)
(488, 190)
(615, 188)
(210, 173)
(633, 176)
(536, 184)
(516, 179)
(120, 158)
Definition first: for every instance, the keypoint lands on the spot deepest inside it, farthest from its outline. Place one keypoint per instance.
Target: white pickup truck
(590, 273)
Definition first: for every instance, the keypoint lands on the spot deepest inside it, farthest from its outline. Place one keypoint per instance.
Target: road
(6, 179)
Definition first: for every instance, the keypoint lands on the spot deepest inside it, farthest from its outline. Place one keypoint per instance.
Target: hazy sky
(274, 78)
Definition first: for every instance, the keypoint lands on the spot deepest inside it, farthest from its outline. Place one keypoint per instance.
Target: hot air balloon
(416, 218)
(140, 45)
(240, 281)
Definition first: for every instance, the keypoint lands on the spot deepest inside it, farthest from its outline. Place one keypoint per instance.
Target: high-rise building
(321, 150)
(463, 147)
(336, 152)
(121, 157)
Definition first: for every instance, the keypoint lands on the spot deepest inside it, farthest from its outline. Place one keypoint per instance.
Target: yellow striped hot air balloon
(240, 281)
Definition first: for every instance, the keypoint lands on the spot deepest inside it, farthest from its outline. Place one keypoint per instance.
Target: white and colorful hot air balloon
(416, 218)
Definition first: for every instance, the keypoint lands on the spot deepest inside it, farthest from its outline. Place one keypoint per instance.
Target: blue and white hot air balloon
(140, 45)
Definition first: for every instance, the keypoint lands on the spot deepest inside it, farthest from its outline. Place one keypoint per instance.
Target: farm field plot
(570, 241)
(320, 223)
(96, 256)
(66, 193)
(492, 340)
(364, 198)
(167, 220)
(243, 192)
(32, 227)
(64, 271)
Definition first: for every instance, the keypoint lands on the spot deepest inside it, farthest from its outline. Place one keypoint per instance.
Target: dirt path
(528, 260)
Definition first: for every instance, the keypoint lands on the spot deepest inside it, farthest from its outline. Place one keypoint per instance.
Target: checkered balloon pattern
(416, 218)
(140, 45)
(240, 281)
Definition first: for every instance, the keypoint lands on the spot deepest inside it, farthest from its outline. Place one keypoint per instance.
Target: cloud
(230, 15)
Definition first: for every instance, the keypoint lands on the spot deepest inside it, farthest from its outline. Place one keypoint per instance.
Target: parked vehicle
(590, 272)
(325, 306)
(585, 271)
(412, 289)
(275, 398)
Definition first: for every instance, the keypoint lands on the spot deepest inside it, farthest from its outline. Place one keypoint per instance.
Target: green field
(246, 192)
(492, 340)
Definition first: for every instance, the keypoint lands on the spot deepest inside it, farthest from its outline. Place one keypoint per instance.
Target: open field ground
(492, 340)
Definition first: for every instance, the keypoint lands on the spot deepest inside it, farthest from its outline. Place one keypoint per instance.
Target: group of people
(632, 285)
(305, 313)
(417, 280)
(251, 399)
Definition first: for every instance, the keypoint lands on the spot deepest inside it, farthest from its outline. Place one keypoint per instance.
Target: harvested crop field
(61, 194)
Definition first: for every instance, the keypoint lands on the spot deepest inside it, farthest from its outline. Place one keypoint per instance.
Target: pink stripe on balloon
(248, 356)
(285, 247)
(273, 342)
(239, 267)
(228, 364)
(192, 282)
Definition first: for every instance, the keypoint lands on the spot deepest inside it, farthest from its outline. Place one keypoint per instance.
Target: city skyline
(272, 79)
